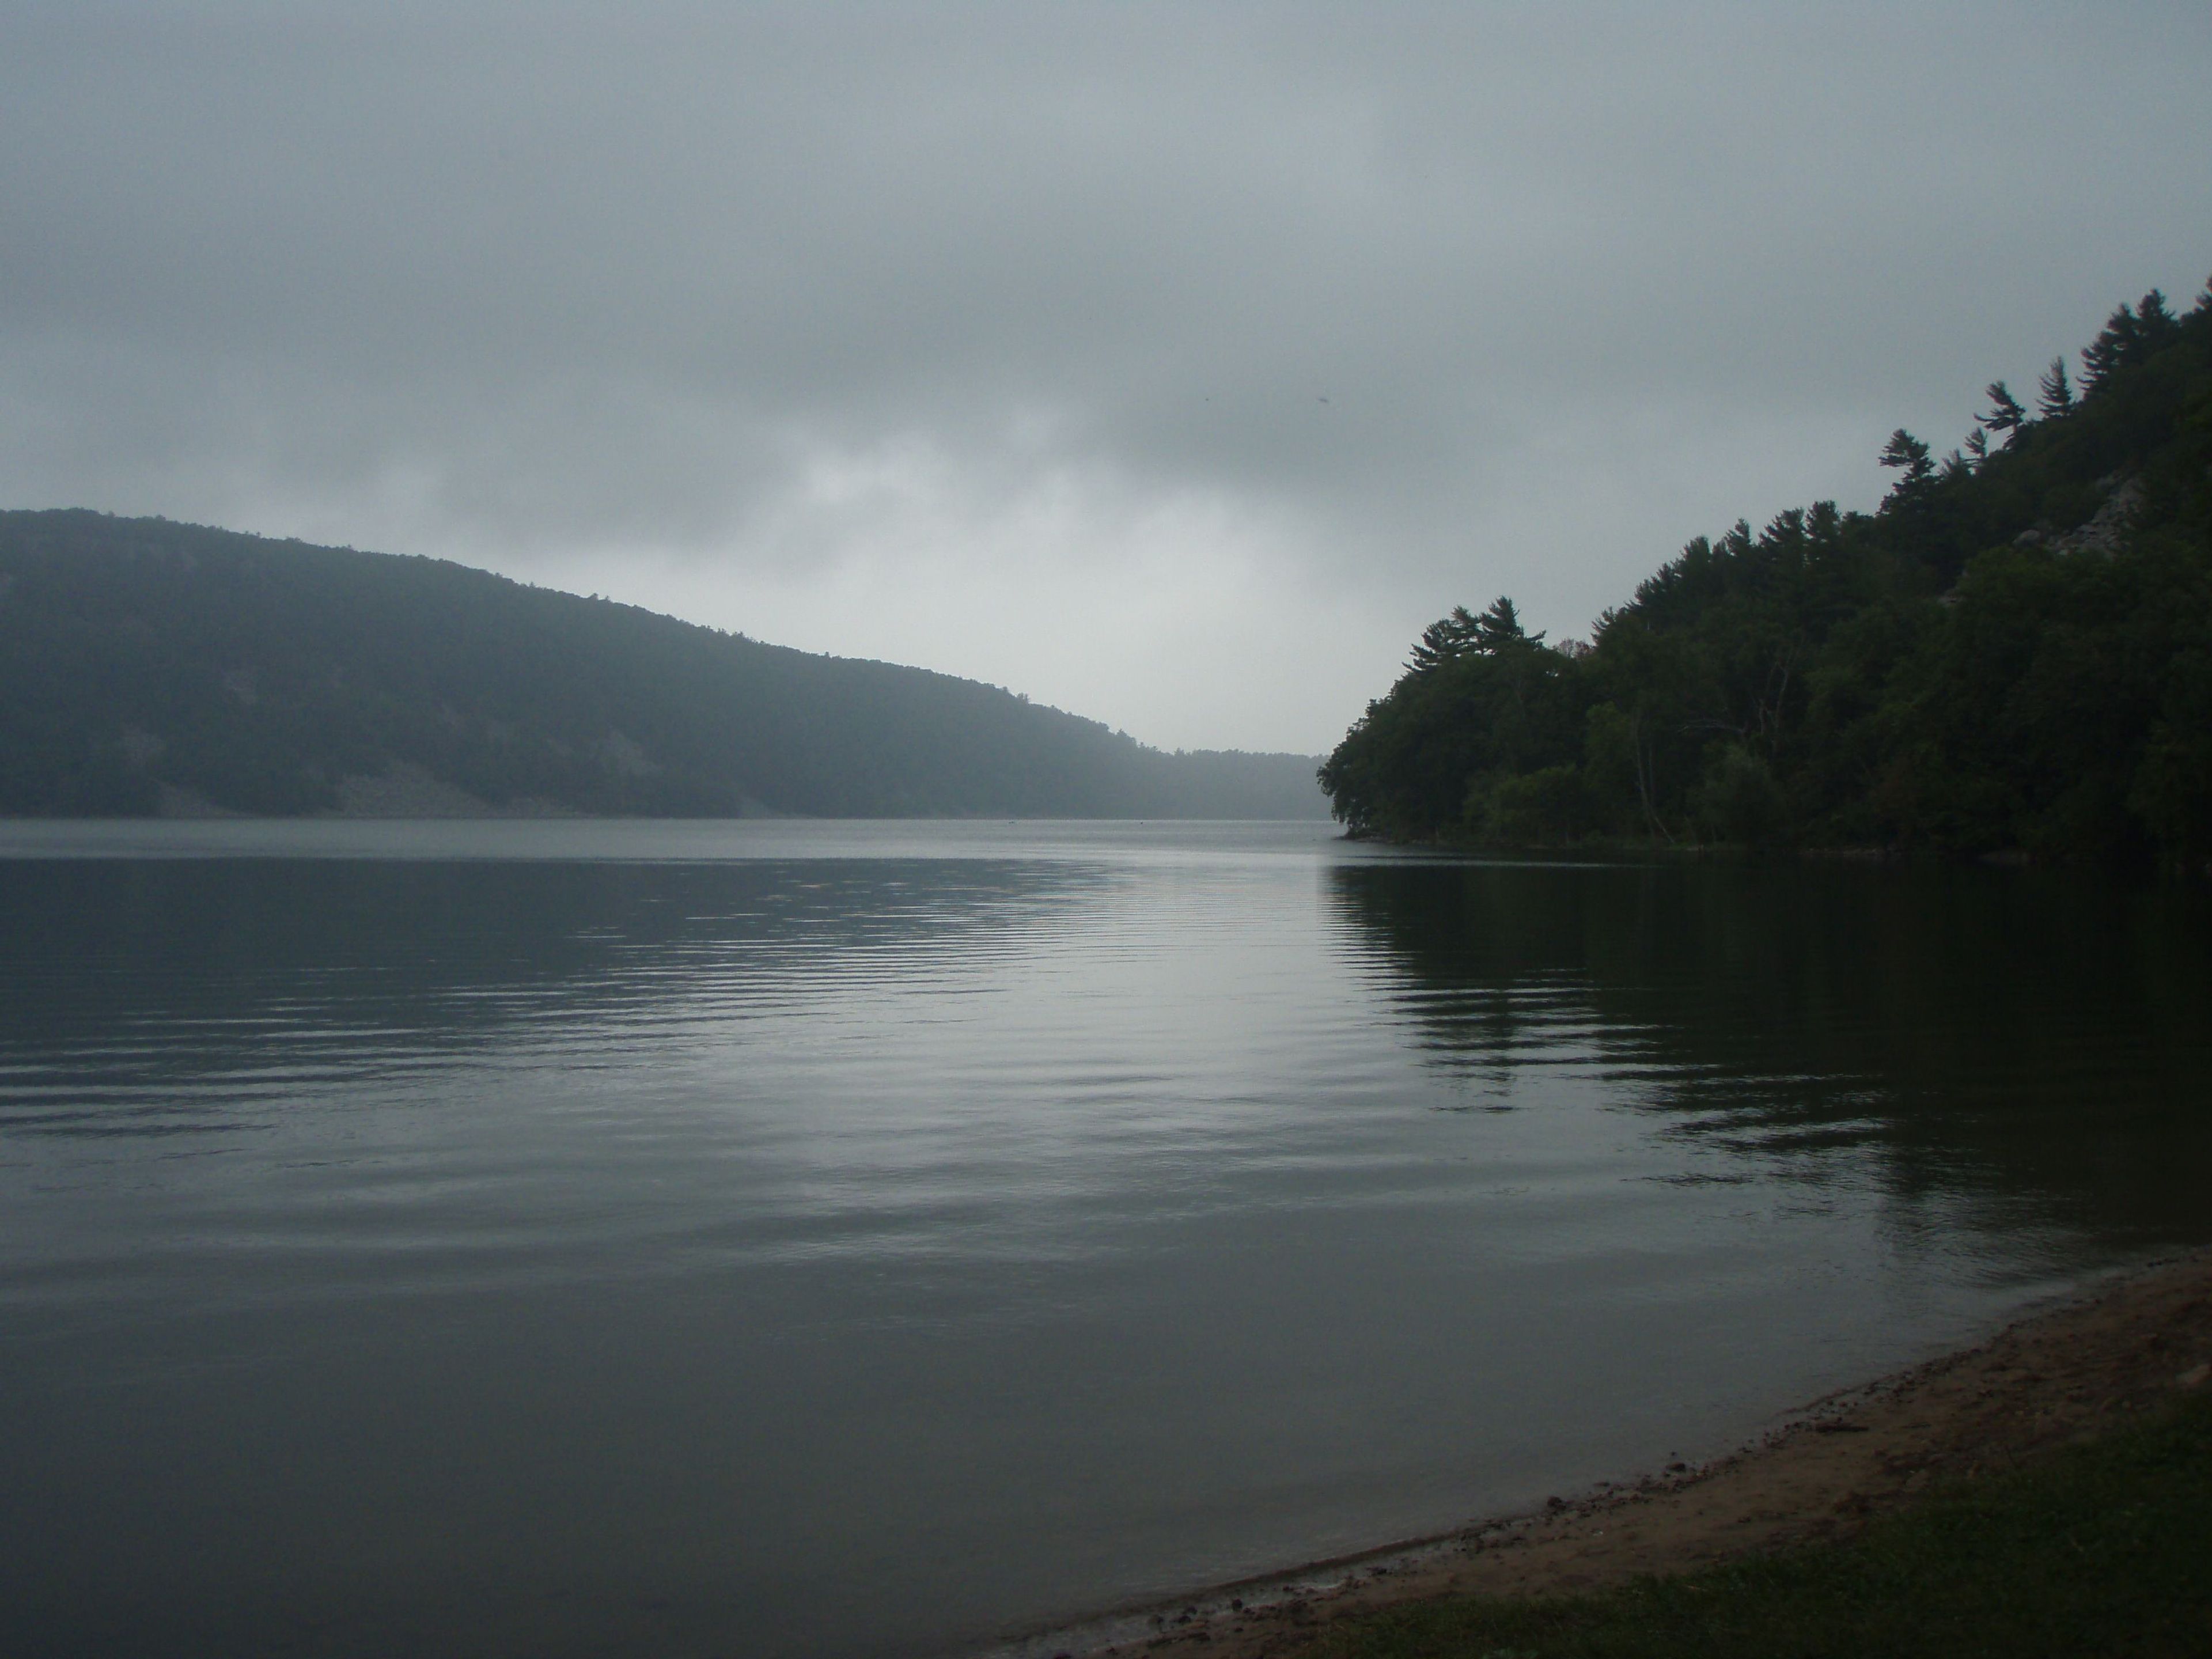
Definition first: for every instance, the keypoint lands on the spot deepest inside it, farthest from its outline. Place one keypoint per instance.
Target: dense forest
(2013, 656)
(149, 668)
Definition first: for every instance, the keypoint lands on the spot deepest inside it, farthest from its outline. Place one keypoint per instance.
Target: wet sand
(2061, 1376)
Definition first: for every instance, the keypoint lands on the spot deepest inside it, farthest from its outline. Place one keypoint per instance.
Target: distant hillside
(2012, 655)
(150, 667)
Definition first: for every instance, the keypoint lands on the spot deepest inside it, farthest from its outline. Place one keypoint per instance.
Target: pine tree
(1908, 455)
(2130, 334)
(2005, 414)
(2054, 397)
(2155, 324)
(1461, 633)
(1498, 628)
(1444, 639)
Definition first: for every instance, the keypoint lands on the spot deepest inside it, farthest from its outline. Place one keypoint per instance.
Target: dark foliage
(145, 664)
(2012, 653)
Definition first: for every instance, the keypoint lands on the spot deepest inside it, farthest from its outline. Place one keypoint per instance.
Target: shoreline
(2119, 1350)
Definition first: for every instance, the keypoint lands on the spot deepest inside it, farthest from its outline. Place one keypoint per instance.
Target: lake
(856, 1239)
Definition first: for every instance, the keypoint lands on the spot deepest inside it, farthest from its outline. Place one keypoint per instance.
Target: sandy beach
(2061, 1376)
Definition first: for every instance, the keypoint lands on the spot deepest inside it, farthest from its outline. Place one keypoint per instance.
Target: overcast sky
(1171, 364)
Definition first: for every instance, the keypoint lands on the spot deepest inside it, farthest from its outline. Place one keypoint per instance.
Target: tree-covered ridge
(149, 666)
(2013, 652)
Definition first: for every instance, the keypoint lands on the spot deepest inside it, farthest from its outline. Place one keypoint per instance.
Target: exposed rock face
(177, 802)
(406, 791)
(2106, 532)
(625, 756)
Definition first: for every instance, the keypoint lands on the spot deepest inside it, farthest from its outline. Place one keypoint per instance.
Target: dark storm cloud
(1380, 307)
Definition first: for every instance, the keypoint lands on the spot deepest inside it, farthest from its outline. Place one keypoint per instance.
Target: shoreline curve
(2122, 1347)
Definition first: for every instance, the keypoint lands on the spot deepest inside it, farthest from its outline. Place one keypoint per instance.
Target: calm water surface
(853, 1240)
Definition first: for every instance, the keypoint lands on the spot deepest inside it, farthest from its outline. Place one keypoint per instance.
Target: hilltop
(152, 667)
(2012, 656)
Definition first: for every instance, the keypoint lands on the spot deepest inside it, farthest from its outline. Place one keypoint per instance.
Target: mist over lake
(851, 1239)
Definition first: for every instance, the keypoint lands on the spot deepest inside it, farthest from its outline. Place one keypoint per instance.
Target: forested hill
(147, 667)
(2013, 654)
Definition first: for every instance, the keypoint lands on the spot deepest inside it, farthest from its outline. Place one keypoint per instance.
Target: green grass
(2103, 1550)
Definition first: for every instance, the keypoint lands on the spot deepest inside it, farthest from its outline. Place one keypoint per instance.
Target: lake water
(867, 1239)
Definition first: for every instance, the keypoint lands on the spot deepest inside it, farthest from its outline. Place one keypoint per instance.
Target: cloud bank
(1171, 364)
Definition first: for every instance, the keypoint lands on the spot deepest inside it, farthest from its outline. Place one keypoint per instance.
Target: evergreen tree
(1444, 640)
(1909, 456)
(2155, 324)
(1462, 632)
(2113, 347)
(2005, 415)
(2054, 397)
(1498, 628)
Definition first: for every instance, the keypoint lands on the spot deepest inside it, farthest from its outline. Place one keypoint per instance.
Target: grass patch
(2101, 1551)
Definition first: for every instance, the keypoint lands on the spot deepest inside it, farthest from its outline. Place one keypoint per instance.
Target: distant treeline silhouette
(2012, 653)
(149, 666)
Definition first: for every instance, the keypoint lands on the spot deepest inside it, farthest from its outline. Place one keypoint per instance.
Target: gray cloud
(934, 331)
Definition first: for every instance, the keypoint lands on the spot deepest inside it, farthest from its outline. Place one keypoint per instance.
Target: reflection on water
(149, 998)
(2032, 1048)
(861, 1239)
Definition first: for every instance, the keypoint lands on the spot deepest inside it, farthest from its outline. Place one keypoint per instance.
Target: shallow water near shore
(855, 1239)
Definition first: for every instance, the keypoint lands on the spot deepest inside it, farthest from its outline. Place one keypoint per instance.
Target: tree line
(2011, 654)
(149, 666)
